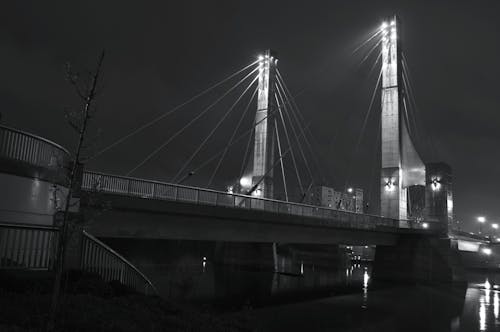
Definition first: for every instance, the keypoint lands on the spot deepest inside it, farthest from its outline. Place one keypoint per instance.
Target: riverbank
(90, 304)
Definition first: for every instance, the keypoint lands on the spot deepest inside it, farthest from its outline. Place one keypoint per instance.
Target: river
(320, 299)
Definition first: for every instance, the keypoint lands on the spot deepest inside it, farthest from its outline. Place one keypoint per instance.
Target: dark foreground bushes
(90, 304)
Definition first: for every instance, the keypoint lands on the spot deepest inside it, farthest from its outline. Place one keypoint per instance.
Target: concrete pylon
(401, 166)
(263, 153)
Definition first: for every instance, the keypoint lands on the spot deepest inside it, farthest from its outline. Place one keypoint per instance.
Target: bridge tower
(401, 166)
(263, 153)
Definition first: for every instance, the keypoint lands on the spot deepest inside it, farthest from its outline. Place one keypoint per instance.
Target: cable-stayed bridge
(268, 200)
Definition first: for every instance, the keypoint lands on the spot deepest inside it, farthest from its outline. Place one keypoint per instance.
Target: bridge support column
(419, 259)
(251, 256)
(401, 165)
(263, 153)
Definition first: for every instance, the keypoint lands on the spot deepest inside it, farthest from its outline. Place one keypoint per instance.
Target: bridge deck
(201, 203)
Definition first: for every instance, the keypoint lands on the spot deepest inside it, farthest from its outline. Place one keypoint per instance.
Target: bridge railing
(142, 188)
(32, 247)
(22, 146)
(98, 258)
(27, 246)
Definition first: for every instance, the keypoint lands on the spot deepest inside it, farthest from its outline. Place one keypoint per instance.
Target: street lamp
(495, 227)
(481, 220)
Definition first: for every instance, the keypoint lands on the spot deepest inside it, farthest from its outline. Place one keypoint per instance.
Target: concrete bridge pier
(418, 259)
(282, 258)
(244, 255)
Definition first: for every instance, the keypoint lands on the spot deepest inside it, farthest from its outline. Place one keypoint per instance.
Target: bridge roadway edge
(135, 217)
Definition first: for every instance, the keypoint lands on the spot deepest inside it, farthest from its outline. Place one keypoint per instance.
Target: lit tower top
(401, 164)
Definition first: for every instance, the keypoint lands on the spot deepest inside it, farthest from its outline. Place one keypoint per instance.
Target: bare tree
(86, 89)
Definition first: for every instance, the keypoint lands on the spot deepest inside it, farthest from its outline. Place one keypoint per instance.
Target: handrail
(137, 187)
(28, 226)
(27, 246)
(120, 258)
(25, 133)
(35, 150)
(226, 193)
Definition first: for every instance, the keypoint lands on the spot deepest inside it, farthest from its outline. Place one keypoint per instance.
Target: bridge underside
(156, 219)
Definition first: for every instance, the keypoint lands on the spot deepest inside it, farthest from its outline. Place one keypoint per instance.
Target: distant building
(351, 200)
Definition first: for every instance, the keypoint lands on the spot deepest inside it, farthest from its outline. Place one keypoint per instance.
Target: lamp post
(494, 227)
(481, 220)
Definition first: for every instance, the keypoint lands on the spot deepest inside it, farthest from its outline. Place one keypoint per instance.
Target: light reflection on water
(393, 308)
(346, 299)
(488, 305)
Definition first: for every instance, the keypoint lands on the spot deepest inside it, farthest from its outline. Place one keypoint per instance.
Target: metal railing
(32, 247)
(135, 187)
(98, 258)
(19, 145)
(27, 246)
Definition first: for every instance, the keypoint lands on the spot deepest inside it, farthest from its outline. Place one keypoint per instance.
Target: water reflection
(488, 311)
(366, 277)
(345, 299)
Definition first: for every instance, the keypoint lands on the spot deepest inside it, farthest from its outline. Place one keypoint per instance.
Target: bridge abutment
(419, 259)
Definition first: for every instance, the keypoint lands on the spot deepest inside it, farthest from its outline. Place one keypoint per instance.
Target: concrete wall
(29, 200)
(419, 259)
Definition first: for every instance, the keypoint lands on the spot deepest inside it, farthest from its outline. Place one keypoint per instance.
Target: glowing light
(261, 58)
(487, 284)
(481, 219)
(435, 185)
(486, 251)
(389, 185)
(246, 182)
(393, 35)
(425, 225)
(495, 226)
(383, 26)
(230, 189)
(393, 22)
(349, 190)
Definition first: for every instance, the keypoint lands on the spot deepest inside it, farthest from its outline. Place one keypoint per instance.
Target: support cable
(370, 52)
(281, 159)
(190, 123)
(375, 64)
(231, 139)
(246, 156)
(363, 128)
(237, 140)
(224, 117)
(406, 95)
(289, 144)
(375, 166)
(295, 133)
(367, 41)
(430, 142)
(296, 114)
(171, 111)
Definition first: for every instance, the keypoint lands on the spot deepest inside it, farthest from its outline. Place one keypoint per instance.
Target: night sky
(158, 54)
